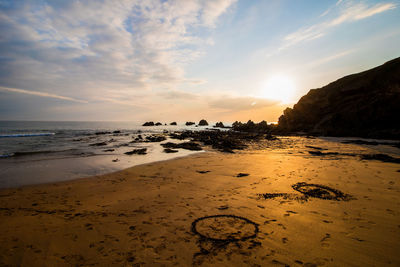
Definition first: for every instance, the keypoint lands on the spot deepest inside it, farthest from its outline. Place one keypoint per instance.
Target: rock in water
(219, 125)
(203, 123)
(149, 123)
(188, 123)
(365, 104)
(140, 151)
(187, 145)
(169, 150)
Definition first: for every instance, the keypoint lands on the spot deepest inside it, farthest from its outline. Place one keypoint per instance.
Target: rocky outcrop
(224, 141)
(187, 145)
(203, 123)
(251, 127)
(158, 124)
(169, 150)
(365, 104)
(155, 138)
(139, 151)
(219, 125)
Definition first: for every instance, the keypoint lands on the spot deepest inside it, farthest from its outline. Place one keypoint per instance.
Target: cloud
(343, 12)
(359, 11)
(329, 58)
(238, 103)
(226, 102)
(86, 48)
(213, 9)
(175, 94)
(42, 94)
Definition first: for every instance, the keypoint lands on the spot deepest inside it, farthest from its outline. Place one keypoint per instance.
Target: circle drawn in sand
(224, 228)
(320, 191)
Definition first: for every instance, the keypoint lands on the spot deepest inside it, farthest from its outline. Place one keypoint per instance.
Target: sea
(36, 152)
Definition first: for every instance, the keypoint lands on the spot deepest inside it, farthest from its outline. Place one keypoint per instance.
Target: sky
(160, 60)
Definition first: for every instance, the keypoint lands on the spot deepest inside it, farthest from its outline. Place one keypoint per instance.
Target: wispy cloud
(329, 58)
(42, 94)
(342, 12)
(86, 48)
(353, 12)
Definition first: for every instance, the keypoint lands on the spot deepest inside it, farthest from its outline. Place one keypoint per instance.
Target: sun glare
(279, 87)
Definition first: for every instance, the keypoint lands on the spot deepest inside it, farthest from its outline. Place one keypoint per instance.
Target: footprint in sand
(325, 241)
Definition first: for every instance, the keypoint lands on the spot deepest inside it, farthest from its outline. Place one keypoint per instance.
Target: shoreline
(100, 164)
(143, 215)
(40, 168)
(105, 174)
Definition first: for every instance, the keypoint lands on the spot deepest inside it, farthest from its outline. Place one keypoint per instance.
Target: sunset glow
(279, 87)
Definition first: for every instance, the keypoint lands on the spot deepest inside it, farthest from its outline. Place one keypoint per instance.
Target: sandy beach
(152, 214)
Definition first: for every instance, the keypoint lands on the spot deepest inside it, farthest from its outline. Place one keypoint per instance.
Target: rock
(203, 123)
(158, 124)
(188, 123)
(251, 127)
(169, 150)
(173, 123)
(149, 123)
(242, 174)
(270, 137)
(380, 157)
(101, 133)
(187, 145)
(108, 150)
(319, 153)
(116, 132)
(155, 138)
(203, 172)
(225, 141)
(365, 104)
(99, 144)
(219, 125)
(140, 151)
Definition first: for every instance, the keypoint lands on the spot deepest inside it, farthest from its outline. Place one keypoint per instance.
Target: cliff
(365, 104)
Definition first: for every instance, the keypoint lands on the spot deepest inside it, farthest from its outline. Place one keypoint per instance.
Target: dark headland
(366, 104)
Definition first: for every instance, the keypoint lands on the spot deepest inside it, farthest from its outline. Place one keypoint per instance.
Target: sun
(279, 87)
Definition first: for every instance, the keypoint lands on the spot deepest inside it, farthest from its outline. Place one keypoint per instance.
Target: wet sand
(152, 215)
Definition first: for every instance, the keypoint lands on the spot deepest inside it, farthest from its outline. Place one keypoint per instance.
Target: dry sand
(143, 216)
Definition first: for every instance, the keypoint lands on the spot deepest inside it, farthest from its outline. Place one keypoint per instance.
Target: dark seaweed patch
(310, 190)
(320, 191)
(285, 196)
(273, 195)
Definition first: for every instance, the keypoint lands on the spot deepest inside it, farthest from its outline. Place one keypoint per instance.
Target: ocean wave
(25, 135)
